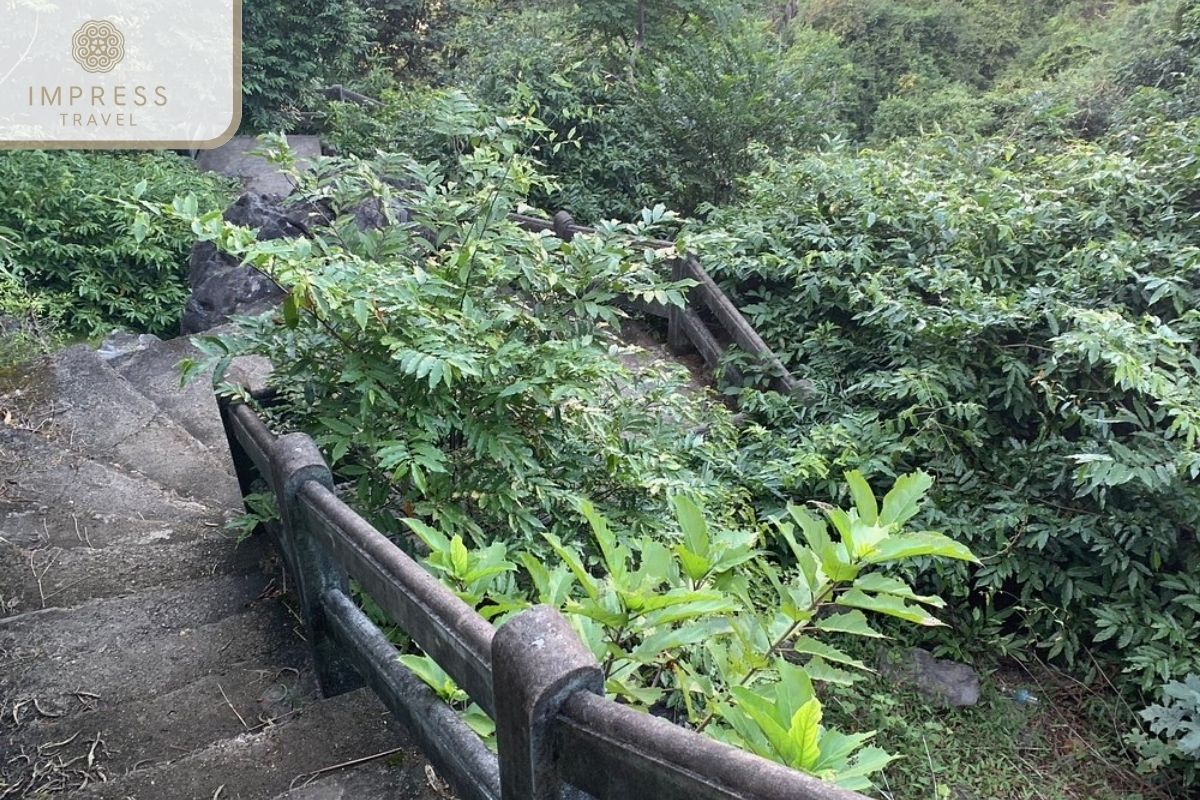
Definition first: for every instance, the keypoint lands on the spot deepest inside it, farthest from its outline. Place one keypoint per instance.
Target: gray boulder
(221, 286)
(942, 682)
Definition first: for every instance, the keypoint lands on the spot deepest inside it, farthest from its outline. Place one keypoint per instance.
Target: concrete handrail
(557, 735)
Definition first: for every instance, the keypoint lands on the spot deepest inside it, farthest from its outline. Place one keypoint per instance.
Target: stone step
(51, 496)
(376, 781)
(321, 740)
(137, 646)
(154, 371)
(257, 175)
(151, 557)
(83, 404)
(237, 698)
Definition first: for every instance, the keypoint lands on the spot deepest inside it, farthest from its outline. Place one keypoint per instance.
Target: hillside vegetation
(973, 225)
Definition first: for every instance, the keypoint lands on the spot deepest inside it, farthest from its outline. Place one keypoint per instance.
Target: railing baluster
(449, 631)
(678, 341)
(243, 464)
(538, 662)
(295, 461)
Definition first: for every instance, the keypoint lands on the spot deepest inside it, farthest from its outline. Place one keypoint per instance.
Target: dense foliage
(1023, 325)
(459, 371)
(1174, 735)
(292, 50)
(972, 224)
(77, 252)
(1000, 290)
(671, 119)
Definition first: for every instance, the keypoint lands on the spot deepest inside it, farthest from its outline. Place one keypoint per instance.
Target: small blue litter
(1024, 697)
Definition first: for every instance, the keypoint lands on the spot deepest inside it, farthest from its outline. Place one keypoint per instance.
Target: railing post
(537, 663)
(678, 341)
(243, 466)
(563, 222)
(295, 460)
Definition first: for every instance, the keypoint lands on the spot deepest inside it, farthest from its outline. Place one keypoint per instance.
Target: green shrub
(1173, 740)
(1114, 68)
(710, 108)
(678, 123)
(706, 624)
(893, 44)
(83, 250)
(1023, 325)
(481, 410)
(464, 374)
(27, 326)
(953, 109)
(291, 51)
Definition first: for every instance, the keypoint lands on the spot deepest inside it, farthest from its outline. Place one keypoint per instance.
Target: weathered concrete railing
(686, 330)
(343, 95)
(557, 735)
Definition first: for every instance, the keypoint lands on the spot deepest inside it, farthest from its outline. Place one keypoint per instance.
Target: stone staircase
(144, 653)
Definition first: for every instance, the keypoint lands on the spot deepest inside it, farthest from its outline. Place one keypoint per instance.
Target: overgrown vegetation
(1022, 324)
(459, 372)
(971, 224)
(77, 254)
(999, 290)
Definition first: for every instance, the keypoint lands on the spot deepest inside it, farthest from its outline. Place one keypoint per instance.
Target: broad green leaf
(491, 570)
(695, 528)
(886, 604)
(904, 499)
(362, 311)
(837, 747)
(460, 558)
(845, 528)
(794, 688)
(805, 734)
(787, 531)
(694, 566)
(885, 584)
(750, 735)
(674, 597)
(572, 560)
(854, 622)
(692, 610)
(599, 612)
(675, 638)
(478, 721)
(657, 566)
(816, 533)
(864, 498)
(291, 311)
(615, 556)
(763, 715)
(869, 761)
(434, 539)
(734, 557)
(867, 538)
(814, 647)
(537, 573)
(640, 695)
(433, 675)
(820, 670)
(926, 543)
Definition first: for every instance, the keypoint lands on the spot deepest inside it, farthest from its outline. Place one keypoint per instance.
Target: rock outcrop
(221, 286)
(942, 682)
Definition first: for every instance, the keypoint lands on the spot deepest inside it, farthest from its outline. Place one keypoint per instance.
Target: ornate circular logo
(98, 46)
